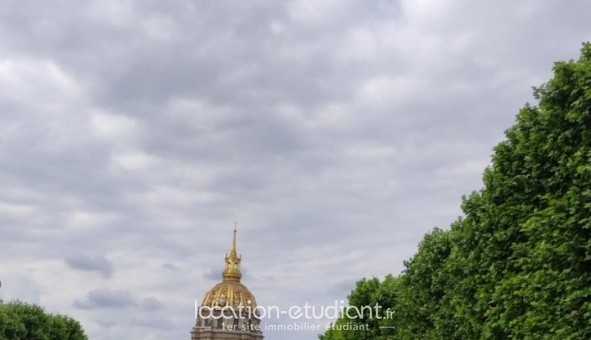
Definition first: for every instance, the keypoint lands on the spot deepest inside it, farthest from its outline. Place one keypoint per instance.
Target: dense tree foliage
(518, 264)
(370, 293)
(29, 322)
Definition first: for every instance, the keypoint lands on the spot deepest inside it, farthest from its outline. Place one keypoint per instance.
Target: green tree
(374, 323)
(19, 320)
(422, 287)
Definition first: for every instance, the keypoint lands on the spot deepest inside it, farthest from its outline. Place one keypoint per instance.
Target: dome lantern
(232, 267)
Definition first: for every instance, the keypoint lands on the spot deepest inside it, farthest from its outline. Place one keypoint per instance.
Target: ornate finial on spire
(232, 268)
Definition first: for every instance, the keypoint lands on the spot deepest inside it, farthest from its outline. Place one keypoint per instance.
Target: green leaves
(29, 322)
(369, 293)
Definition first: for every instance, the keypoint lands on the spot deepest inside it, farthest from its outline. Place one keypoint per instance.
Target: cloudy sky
(134, 133)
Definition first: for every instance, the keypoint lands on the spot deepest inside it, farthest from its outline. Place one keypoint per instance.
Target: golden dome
(230, 292)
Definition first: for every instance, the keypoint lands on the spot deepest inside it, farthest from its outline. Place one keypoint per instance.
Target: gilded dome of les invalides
(230, 292)
(220, 303)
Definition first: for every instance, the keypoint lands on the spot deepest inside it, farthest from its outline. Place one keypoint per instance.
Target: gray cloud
(106, 298)
(170, 266)
(151, 304)
(337, 132)
(211, 274)
(97, 263)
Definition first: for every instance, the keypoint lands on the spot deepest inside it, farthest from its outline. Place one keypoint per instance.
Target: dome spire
(234, 239)
(232, 267)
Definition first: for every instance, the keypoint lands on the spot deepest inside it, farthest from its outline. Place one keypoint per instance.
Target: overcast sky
(134, 133)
